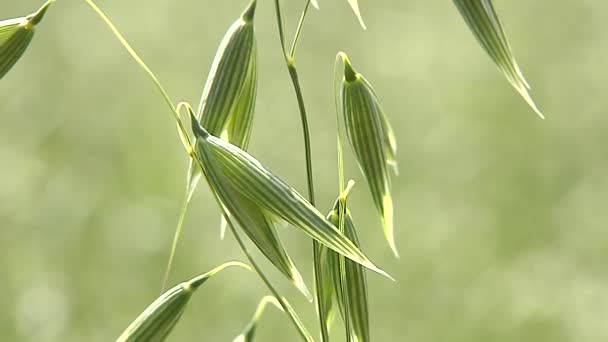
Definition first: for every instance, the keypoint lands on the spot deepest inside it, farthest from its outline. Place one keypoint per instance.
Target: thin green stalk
(299, 29)
(281, 27)
(178, 231)
(182, 131)
(182, 215)
(305, 129)
(296, 321)
(293, 73)
(174, 110)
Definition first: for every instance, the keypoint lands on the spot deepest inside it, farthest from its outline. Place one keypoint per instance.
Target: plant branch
(293, 73)
(299, 30)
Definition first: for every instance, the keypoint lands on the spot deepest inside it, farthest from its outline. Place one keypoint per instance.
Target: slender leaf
(157, 321)
(483, 21)
(372, 141)
(223, 161)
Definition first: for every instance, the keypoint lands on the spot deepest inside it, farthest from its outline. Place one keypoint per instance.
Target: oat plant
(252, 199)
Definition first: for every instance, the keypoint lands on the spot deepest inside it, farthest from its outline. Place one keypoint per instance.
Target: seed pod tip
(250, 11)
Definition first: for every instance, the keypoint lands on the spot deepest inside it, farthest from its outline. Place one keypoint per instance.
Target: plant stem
(286, 307)
(277, 7)
(305, 129)
(138, 60)
(187, 143)
(178, 231)
(293, 73)
(299, 29)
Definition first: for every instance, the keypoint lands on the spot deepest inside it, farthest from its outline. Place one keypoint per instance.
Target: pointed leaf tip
(16, 35)
(35, 18)
(350, 74)
(249, 13)
(198, 281)
(485, 25)
(354, 4)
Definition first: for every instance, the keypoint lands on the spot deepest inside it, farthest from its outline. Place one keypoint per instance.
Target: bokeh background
(501, 217)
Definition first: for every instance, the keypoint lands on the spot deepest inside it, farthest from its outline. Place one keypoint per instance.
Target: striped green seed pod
(231, 85)
(346, 282)
(372, 140)
(228, 101)
(159, 319)
(350, 284)
(483, 21)
(16, 35)
(259, 225)
(224, 162)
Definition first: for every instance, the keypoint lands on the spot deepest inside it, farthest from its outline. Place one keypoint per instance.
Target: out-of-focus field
(501, 217)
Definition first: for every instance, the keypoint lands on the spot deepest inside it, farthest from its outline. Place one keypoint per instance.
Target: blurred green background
(500, 217)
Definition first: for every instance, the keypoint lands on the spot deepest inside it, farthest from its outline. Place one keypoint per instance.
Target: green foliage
(223, 162)
(256, 199)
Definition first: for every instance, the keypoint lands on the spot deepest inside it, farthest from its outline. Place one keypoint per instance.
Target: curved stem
(286, 307)
(277, 7)
(138, 60)
(293, 73)
(305, 129)
(292, 53)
